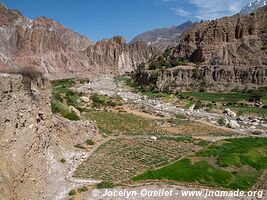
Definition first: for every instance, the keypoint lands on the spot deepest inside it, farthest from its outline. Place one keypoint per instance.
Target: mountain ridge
(62, 53)
(161, 38)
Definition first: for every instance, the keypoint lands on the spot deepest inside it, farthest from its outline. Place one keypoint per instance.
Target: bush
(90, 142)
(62, 160)
(72, 192)
(221, 121)
(80, 146)
(82, 189)
(105, 184)
(71, 116)
(153, 65)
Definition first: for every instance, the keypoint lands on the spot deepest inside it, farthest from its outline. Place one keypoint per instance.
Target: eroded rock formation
(228, 53)
(33, 141)
(236, 40)
(59, 52)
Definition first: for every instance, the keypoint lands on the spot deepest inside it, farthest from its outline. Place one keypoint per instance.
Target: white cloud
(211, 9)
(180, 12)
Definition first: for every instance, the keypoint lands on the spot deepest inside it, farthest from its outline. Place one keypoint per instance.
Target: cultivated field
(122, 158)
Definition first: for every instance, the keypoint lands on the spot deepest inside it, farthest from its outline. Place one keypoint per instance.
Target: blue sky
(98, 19)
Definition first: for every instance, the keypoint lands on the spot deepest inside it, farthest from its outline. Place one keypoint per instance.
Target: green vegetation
(101, 100)
(221, 121)
(105, 184)
(237, 101)
(72, 192)
(165, 61)
(122, 78)
(185, 171)
(121, 123)
(216, 97)
(234, 164)
(82, 189)
(89, 142)
(62, 160)
(240, 152)
(80, 146)
(63, 97)
(126, 157)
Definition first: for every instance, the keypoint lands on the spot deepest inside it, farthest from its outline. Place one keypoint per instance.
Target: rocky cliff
(212, 78)
(59, 52)
(236, 40)
(33, 141)
(221, 54)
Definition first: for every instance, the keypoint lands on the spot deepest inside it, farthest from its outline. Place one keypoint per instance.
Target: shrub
(62, 160)
(221, 121)
(80, 146)
(90, 142)
(152, 66)
(72, 192)
(82, 189)
(71, 116)
(105, 184)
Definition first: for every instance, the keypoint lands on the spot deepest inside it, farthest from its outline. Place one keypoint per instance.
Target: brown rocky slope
(227, 53)
(59, 52)
(33, 141)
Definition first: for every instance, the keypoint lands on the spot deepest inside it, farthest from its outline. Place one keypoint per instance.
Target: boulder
(233, 124)
(230, 113)
(85, 99)
(153, 138)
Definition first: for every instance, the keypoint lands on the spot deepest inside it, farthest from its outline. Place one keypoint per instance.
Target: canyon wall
(33, 141)
(59, 52)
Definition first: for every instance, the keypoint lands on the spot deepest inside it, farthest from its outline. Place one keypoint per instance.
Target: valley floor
(141, 134)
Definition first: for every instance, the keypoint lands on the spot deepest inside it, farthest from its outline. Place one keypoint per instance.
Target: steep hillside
(33, 142)
(236, 40)
(217, 53)
(59, 52)
(163, 37)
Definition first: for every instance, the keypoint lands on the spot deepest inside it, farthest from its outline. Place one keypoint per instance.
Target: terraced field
(234, 164)
(122, 158)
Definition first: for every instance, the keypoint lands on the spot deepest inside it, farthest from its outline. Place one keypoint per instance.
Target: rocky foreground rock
(33, 142)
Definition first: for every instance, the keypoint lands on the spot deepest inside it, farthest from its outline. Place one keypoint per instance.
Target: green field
(233, 164)
(224, 97)
(120, 159)
(122, 123)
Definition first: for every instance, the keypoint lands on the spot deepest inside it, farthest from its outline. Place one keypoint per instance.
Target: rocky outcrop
(33, 141)
(108, 53)
(214, 78)
(59, 52)
(236, 40)
(224, 54)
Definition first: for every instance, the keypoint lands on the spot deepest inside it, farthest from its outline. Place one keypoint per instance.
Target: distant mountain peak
(163, 37)
(252, 6)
